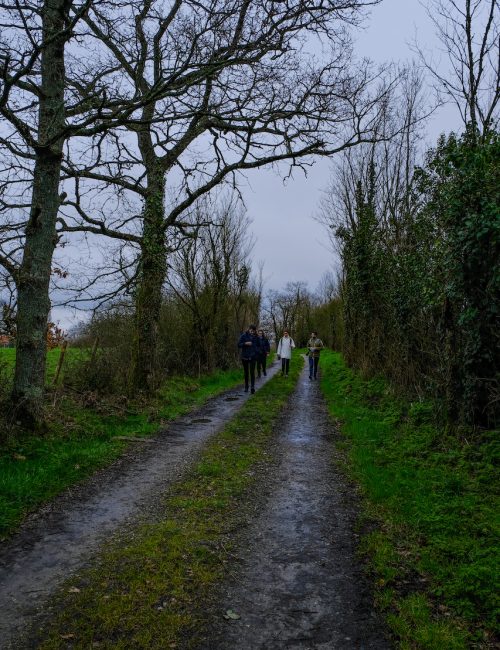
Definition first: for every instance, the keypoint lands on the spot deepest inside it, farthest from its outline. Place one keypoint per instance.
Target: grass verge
(149, 588)
(83, 438)
(433, 497)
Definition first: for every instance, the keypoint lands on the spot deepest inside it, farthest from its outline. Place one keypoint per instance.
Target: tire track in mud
(63, 536)
(301, 586)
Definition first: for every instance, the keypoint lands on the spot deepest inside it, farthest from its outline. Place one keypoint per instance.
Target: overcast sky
(289, 242)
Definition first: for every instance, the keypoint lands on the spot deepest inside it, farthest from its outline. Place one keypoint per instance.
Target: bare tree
(469, 33)
(328, 287)
(238, 91)
(288, 309)
(35, 68)
(43, 103)
(211, 277)
(384, 169)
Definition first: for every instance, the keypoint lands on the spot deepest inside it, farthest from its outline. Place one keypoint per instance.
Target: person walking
(314, 347)
(265, 348)
(249, 345)
(285, 347)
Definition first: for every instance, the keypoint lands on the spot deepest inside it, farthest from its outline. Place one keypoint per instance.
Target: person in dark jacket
(265, 348)
(249, 345)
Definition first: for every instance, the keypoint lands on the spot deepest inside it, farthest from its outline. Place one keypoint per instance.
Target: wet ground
(66, 534)
(300, 584)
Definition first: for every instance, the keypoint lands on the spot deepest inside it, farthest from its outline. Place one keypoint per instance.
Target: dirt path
(301, 586)
(64, 536)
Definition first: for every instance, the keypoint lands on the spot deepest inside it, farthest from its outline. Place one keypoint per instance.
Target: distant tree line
(299, 310)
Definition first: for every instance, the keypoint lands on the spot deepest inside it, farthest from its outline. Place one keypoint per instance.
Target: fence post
(60, 362)
(94, 350)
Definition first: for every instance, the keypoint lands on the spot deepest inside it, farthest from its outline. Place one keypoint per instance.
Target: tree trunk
(148, 299)
(35, 270)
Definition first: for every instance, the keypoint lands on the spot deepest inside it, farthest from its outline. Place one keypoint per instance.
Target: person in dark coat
(249, 345)
(265, 348)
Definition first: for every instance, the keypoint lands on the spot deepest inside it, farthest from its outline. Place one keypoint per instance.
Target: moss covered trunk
(148, 299)
(35, 270)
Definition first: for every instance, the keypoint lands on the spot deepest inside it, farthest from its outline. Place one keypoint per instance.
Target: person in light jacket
(285, 347)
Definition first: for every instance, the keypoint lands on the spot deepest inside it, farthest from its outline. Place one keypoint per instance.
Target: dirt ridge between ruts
(300, 585)
(65, 534)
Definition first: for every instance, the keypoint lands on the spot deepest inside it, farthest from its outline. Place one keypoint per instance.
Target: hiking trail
(300, 585)
(64, 535)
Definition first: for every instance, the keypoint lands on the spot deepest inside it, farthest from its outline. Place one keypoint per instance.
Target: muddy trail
(300, 584)
(66, 534)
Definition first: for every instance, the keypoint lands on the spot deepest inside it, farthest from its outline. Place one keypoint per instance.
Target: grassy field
(8, 356)
(433, 497)
(81, 439)
(151, 586)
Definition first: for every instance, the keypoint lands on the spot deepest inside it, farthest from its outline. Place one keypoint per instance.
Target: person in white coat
(285, 347)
